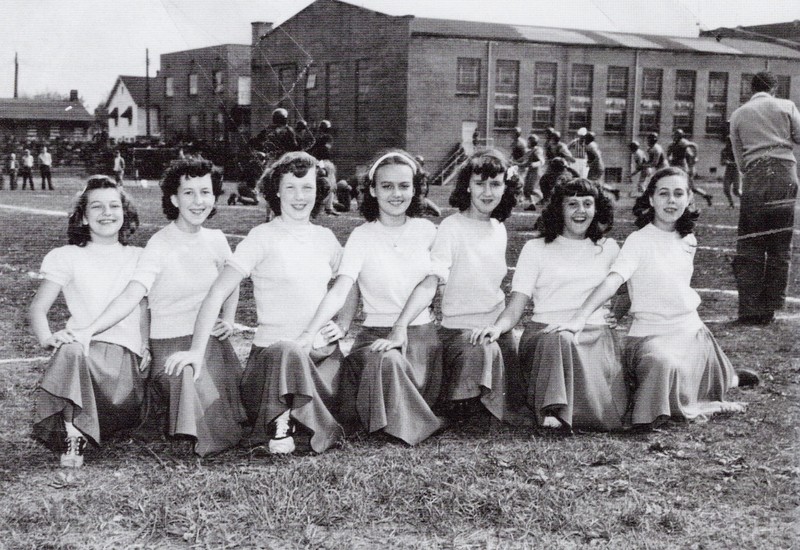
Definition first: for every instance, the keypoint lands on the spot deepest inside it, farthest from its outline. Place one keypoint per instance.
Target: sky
(86, 44)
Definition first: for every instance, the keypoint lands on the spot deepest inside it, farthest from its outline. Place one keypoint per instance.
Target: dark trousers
(764, 244)
(46, 176)
(27, 176)
(12, 179)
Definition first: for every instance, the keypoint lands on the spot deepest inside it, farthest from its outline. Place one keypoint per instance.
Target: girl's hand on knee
(489, 334)
(58, 339)
(222, 329)
(331, 332)
(84, 337)
(180, 360)
(396, 339)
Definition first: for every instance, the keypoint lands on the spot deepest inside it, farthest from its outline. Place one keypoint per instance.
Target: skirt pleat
(679, 375)
(581, 382)
(394, 390)
(283, 376)
(208, 409)
(476, 371)
(104, 389)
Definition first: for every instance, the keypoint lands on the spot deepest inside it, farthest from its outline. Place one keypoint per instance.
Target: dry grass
(731, 482)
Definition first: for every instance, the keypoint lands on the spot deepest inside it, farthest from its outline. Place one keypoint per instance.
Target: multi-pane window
(650, 104)
(784, 85)
(194, 125)
(544, 95)
(333, 86)
(616, 99)
(580, 97)
(717, 103)
(746, 87)
(683, 111)
(506, 93)
(243, 90)
(286, 79)
(193, 84)
(363, 87)
(218, 127)
(468, 76)
(311, 103)
(219, 82)
(169, 86)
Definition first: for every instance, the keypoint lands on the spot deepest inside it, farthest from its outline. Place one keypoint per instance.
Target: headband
(405, 158)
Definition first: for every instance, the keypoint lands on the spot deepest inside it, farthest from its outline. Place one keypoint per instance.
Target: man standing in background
(763, 132)
(119, 168)
(46, 168)
(26, 170)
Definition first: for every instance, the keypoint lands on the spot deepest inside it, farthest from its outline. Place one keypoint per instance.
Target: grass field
(730, 482)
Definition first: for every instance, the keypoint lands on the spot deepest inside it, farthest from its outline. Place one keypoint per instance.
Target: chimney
(260, 28)
(73, 96)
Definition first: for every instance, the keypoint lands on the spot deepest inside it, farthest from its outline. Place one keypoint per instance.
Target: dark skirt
(678, 375)
(104, 389)
(476, 371)
(394, 390)
(283, 376)
(581, 383)
(209, 409)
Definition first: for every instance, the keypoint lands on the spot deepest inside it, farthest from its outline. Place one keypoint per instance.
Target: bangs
(487, 166)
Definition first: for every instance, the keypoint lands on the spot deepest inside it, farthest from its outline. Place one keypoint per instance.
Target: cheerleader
(87, 394)
(290, 261)
(386, 388)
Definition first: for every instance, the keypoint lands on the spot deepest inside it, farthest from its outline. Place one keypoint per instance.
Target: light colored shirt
(469, 257)
(45, 159)
(27, 161)
(119, 164)
(388, 263)
(178, 269)
(290, 267)
(560, 275)
(765, 126)
(90, 278)
(658, 266)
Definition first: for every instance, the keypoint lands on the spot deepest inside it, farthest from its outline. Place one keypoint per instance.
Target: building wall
(178, 110)
(350, 36)
(44, 131)
(436, 111)
(123, 130)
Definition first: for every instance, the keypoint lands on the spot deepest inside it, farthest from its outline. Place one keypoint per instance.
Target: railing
(456, 156)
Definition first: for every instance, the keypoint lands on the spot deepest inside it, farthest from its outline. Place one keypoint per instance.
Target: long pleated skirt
(582, 383)
(104, 389)
(476, 371)
(208, 409)
(395, 390)
(682, 375)
(283, 376)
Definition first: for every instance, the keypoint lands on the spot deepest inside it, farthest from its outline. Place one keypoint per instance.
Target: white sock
(72, 431)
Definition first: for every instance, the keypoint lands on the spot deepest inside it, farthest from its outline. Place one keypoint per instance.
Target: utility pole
(16, 73)
(147, 92)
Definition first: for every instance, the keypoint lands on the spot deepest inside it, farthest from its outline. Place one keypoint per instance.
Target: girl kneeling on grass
(388, 389)
(567, 382)
(290, 261)
(469, 258)
(178, 266)
(673, 362)
(85, 396)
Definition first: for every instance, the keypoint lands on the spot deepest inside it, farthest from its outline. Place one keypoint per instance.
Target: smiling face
(297, 196)
(104, 215)
(670, 198)
(194, 201)
(394, 190)
(578, 215)
(485, 195)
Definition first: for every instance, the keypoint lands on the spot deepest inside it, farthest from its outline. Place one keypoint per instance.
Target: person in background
(46, 168)
(596, 166)
(323, 145)
(280, 138)
(13, 168)
(763, 133)
(578, 149)
(656, 158)
(556, 148)
(305, 139)
(557, 171)
(26, 169)
(119, 167)
(732, 179)
(683, 154)
(639, 166)
(534, 162)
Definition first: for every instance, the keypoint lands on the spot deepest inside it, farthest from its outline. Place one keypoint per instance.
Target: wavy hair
(297, 163)
(369, 205)
(79, 234)
(487, 163)
(188, 167)
(551, 223)
(645, 213)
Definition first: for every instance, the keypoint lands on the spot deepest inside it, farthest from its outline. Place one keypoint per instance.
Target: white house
(126, 108)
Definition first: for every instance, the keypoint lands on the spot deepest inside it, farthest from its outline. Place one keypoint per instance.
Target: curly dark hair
(645, 213)
(551, 223)
(79, 234)
(297, 163)
(369, 205)
(487, 163)
(189, 167)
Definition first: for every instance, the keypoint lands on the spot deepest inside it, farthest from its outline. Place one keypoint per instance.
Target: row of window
(197, 125)
(217, 86)
(506, 95)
